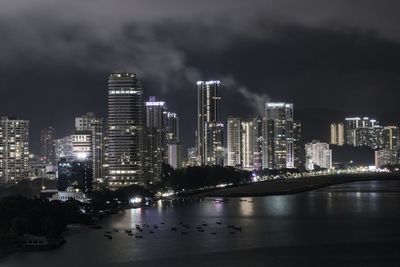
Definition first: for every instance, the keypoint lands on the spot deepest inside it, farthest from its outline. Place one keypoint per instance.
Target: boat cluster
(183, 228)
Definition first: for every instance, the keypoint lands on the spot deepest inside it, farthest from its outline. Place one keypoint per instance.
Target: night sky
(330, 58)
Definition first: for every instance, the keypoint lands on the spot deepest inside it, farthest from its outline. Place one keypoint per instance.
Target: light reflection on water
(353, 212)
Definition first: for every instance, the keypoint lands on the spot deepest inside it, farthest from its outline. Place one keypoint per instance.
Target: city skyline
(262, 53)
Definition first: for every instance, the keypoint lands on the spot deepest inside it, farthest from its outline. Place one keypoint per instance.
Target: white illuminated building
(234, 141)
(82, 145)
(208, 105)
(337, 134)
(278, 135)
(64, 148)
(89, 122)
(386, 157)
(318, 154)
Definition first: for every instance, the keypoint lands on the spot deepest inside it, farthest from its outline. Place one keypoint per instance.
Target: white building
(386, 157)
(63, 148)
(175, 155)
(318, 154)
(82, 145)
(337, 134)
(278, 135)
(70, 193)
(234, 139)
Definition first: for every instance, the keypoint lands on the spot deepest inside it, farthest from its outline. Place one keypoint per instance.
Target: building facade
(386, 157)
(215, 144)
(64, 148)
(278, 152)
(318, 154)
(48, 138)
(208, 109)
(126, 129)
(337, 134)
(234, 141)
(90, 122)
(156, 149)
(14, 150)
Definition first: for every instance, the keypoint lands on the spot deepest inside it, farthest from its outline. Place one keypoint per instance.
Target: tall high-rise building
(278, 136)
(337, 134)
(372, 137)
(14, 150)
(156, 139)
(391, 137)
(82, 146)
(299, 153)
(215, 144)
(386, 157)
(350, 125)
(126, 128)
(172, 127)
(174, 145)
(174, 155)
(64, 148)
(90, 122)
(208, 105)
(318, 154)
(47, 138)
(234, 141)
(258, 150)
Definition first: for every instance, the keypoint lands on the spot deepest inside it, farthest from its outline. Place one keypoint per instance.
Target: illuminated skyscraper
(391, 137)
(350, 126)
(126, 127)
(215, 144)
(174, 145)
(14, 150)
(156, 139)
(318, 154)
(337, 134)
(64, 148)
(172, 127)
(299, 153)
(90, 122)
(386, 157)
(208, 102)
(47, 139)
(278, 150)
(251, 144)
(82, 146)
(234, 141)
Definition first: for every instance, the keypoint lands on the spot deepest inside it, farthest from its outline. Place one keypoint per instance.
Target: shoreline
(295, 185)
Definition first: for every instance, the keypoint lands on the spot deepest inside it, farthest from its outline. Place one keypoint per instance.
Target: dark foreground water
(356, 224)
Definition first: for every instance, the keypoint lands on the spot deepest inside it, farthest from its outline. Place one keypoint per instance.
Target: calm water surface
(355, 224)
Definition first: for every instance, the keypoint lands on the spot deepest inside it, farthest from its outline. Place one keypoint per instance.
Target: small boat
(173, 229)
(213, 233)
(138, 236)
(184, 233)
(204, 224)
(218, 223)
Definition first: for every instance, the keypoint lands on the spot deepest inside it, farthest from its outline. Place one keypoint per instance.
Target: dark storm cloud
(57, 54)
